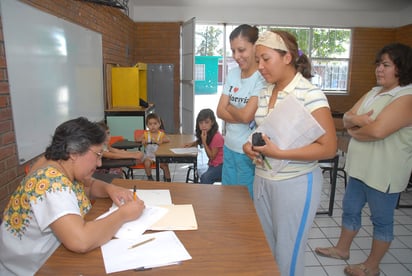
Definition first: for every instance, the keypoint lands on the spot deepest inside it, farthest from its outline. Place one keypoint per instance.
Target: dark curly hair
(401, 55)
(204, 114)
(74, 136)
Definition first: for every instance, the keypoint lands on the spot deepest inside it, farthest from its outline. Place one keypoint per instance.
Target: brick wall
(366, 42)
(119, 42)
(404, 34)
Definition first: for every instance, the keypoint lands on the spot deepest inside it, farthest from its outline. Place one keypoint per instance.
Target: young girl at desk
(113, 153)
(209, 137)
(151, 139)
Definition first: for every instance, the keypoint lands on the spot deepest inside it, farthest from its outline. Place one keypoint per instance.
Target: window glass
(328, 49)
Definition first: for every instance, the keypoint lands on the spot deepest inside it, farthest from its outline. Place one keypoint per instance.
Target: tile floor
(326, 230)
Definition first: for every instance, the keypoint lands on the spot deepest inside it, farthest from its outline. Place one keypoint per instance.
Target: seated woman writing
(48, 207)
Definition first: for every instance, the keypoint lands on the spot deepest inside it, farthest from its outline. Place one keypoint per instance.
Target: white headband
(272, 40)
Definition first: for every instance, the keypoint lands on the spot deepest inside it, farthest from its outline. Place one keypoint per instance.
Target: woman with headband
(286, 201)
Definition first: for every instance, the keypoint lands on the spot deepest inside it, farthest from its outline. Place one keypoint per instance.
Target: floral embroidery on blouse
(18, 212)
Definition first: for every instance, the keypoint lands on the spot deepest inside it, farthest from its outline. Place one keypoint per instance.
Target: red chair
(114, 139)
(139, 166)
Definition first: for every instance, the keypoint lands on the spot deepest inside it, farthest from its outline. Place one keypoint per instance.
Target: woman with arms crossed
(379, 159)
(49, 205)
(237, 107)
(286, 202)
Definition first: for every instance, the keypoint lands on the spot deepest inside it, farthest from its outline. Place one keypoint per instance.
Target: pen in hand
(141, 243)
(134, 193)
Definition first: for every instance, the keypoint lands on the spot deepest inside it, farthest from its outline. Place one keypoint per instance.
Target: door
(188, 61)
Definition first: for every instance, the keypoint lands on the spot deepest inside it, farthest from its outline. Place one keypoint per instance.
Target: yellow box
(129, 84)
(142, 80)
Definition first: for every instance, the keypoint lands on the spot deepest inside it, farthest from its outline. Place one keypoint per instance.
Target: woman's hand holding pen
(132, 209)
(119, 195)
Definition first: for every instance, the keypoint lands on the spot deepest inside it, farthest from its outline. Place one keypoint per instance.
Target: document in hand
(164, 249)
(179, 217)
(289, 126)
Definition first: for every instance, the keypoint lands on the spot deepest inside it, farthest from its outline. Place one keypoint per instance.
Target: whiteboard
(55, 73)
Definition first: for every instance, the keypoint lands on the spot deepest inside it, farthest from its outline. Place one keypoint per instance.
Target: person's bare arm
(114, 153)
(232, 114)
(222, 112)
(246, 113)
(81, 236)
(191, 144)
(351, 119)
(393, 117)
(165, 139)
(210, 152)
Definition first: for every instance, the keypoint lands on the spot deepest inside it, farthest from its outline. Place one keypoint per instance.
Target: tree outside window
(328, 49)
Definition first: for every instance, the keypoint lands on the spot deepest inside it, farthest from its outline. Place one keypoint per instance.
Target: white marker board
(55, 72)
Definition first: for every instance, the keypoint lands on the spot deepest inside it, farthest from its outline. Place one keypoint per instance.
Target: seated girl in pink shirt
(209, 137)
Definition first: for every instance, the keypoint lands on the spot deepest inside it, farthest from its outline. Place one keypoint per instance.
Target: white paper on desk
(289, 126)
(179, 217)
(191, 150)
(137, 227)
(155, 197)
(165, 249)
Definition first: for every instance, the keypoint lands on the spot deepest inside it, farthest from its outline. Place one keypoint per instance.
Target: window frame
(345, 61)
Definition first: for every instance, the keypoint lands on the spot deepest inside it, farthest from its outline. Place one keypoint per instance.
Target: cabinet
(129, 84)
(160, 83)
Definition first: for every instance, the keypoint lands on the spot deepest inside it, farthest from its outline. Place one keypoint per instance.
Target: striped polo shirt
(312, 98)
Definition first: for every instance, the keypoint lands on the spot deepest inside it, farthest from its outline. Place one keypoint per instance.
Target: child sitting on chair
(151, 139)
(209, 137)
(113, 153)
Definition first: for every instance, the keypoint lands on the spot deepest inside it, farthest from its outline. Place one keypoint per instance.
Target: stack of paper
(164, 249)
(155, 197)
(179, 217)
(132, 250)
(131, 229)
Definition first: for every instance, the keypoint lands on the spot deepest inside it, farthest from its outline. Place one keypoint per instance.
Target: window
(328, 49)
(200, 72)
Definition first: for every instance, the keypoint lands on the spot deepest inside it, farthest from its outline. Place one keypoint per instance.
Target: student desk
(126, 144)
(165, 155)
(108, 163)
(229, 239)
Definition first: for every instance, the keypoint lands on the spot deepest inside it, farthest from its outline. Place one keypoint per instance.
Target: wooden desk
(117, 163)
(108, 163)
(126, 144)
(229, 241)
(165, 155)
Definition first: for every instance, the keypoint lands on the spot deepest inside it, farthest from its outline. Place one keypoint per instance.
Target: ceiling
(330, 5)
